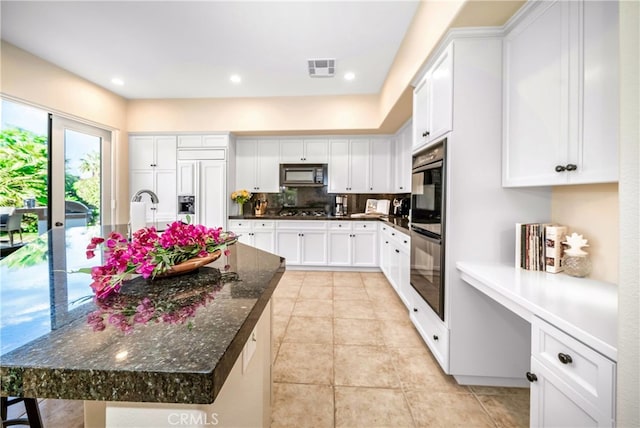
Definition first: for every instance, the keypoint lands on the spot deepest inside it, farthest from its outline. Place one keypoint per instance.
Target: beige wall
(592, 211)
(27, 78)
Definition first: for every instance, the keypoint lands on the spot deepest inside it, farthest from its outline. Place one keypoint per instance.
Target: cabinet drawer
(258, 224)
(584, 369)
(432, 329)
(302, 224)
(340, 225)
(235, 225)
(364, 225)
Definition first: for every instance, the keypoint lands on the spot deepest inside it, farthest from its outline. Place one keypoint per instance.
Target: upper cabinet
(433, 101)
(258, 165)
(561, 95)
(304, 151)
(402, 159)
(360, 165)
(152, 162)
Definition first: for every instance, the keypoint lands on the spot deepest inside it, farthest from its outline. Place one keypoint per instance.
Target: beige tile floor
(345, 354)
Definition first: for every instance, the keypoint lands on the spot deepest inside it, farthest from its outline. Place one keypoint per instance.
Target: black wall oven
(427, 225)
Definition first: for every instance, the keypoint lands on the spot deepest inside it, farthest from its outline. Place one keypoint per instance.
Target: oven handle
(429, 166)
(427, 235)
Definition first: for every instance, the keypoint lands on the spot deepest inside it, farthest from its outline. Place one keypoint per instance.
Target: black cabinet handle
(425, 133)
(58, 224)
(401, 187)
(560, 168)
(364, 225)
(398, 251)
(571, 167)
(531, 377)
(153, 208)
(565, 358)
(415, 309)
(405, 241)
(386, 242)
(435, 337)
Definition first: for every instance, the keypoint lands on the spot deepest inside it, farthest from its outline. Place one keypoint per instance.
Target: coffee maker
(341, 205)
(401, 207)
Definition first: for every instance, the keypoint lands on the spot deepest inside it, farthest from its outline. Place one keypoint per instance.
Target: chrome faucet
(138, 196)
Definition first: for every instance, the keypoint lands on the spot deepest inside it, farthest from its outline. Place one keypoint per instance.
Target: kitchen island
(210, 363)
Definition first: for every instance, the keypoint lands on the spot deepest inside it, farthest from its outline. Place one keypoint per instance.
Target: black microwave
(303, 175)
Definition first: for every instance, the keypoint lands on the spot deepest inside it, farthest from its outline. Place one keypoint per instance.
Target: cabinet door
(420, 113)
(338, 166)
(403, 277)
(359, 166)
(287, 246)
(166, 152)
(381, 181)
(554, 403)
(246, 165)
(402, 172)
(264, 240)
(597, 156)
(340, 248)
(316, 151)
(190, 141)
(291, 151)
(536, 97)
(186, 178)
(268, 166)
(364, 249)
(141, 152)
(314, 247)
(167, 207)
(441, 95)
(212, 198)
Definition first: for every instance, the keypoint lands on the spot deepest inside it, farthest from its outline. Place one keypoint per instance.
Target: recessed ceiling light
(117, 81)
(349, 75)
(235, 78)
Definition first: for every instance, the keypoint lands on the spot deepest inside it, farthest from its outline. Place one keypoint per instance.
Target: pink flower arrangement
(150, 254)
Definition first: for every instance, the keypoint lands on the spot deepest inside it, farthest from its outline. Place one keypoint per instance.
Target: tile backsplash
(318, 197)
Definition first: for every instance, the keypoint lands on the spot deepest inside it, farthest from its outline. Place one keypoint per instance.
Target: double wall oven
(427, 225)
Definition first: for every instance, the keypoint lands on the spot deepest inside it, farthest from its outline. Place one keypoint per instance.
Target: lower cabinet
(257, 233)
(302, 242)
(395, 260)
(353, 243)
(571, 383)
(432, 329)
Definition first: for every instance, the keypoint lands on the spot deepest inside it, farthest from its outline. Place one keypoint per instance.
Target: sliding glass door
(80, 174)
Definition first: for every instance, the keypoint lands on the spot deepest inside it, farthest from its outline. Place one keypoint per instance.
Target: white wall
(628, 395)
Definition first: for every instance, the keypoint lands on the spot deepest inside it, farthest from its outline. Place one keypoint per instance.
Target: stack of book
(539, 246)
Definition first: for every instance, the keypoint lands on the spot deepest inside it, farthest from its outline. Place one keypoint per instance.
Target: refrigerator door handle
(197, 205)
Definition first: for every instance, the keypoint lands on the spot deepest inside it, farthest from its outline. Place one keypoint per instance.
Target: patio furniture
(10, 222)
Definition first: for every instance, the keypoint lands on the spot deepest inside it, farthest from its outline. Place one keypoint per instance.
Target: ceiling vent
(322, 67)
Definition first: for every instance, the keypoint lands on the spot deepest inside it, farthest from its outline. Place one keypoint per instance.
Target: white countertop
(583, 308)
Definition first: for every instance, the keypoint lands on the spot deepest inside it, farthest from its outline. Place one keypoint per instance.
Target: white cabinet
(257, 233)
(360, 165)
(571, 384)
(353, 243)
(402, 159)
(395, 260)
(302, 242)
(152, 166)
(202, 141)
(433, 101)
(561, 95)
(433, 330)
(258, 165)
(304, 151)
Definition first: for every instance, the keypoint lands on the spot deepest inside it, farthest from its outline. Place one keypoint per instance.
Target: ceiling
(185, 49)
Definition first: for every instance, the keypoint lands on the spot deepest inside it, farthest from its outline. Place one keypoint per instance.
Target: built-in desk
(572, 370)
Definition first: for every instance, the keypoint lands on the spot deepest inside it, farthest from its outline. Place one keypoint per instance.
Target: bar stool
(33, 418)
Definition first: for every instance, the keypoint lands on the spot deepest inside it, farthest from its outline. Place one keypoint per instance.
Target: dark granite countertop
(400, 223)
(48, 350)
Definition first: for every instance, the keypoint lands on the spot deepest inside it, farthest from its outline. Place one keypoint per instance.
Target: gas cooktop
(302, 212)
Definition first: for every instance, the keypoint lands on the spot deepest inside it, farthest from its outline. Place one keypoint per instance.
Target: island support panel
(244, 400)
